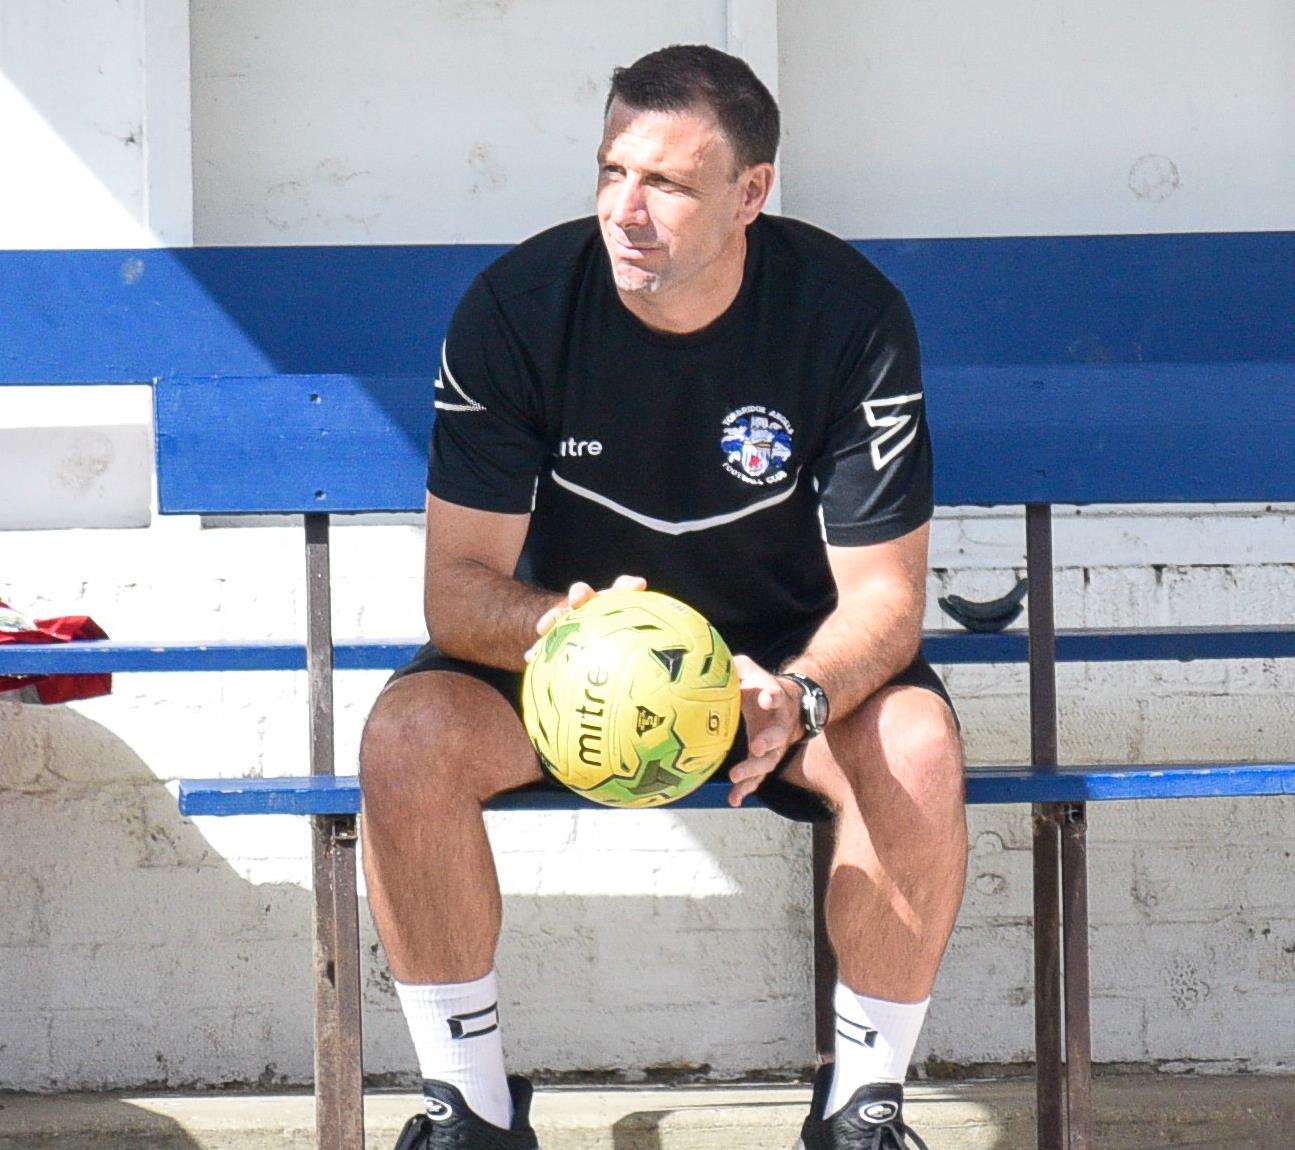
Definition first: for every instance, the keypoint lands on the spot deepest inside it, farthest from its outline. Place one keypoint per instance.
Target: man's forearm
(475, 613)
(872, 635)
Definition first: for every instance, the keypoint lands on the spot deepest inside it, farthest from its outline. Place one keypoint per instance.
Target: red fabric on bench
(15, 628)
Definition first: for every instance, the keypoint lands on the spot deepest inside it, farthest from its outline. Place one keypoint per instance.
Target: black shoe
(449, 1123)
(873, 1119)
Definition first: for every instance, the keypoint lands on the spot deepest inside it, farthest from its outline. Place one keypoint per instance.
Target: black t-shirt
(714, 463)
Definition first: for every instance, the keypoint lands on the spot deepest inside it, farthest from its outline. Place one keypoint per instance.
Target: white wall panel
(460, 120)
(94, 153)
(921, 118)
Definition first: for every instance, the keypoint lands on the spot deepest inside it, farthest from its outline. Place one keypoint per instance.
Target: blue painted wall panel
(78, 316)
(129, 316)
(1060, 369)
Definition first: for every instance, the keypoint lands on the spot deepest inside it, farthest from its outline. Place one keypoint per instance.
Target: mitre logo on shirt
(756, 442)
(576, 448)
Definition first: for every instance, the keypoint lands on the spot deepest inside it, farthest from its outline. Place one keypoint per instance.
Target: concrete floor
(1136, 1112)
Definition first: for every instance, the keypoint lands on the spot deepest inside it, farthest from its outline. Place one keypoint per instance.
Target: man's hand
(577, 594)
(771, 714)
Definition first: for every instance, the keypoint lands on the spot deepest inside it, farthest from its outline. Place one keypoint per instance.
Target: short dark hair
(683, 76)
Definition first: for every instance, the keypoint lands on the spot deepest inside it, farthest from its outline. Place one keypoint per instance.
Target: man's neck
(697, 304)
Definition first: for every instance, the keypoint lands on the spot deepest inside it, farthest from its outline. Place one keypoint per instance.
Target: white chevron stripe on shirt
(683, 526)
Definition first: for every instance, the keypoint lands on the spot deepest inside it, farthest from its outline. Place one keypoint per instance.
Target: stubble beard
(636, 281)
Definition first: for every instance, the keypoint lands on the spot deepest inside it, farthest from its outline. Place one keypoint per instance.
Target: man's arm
(876, 629)
(474, 608)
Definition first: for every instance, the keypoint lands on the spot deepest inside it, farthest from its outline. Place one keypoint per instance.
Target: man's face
(670, 198)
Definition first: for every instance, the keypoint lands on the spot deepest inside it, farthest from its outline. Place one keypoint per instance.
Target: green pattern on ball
(632, 699)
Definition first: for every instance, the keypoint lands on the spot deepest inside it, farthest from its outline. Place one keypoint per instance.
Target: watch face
(813, 704)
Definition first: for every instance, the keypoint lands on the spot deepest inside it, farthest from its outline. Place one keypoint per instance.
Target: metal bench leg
(1047, 979)
(1047, 824)
(339, 1076)
(1074, 886)
(824, 839)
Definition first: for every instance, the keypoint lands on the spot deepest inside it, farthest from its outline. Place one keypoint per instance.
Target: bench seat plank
(112, 655)
(1113, 781)
(948, 647)
(327, 795)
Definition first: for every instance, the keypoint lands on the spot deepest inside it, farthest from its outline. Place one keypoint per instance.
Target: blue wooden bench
(1059, 371)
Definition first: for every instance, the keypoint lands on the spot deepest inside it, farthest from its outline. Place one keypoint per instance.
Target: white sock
(874, 1042)
(455, 1028)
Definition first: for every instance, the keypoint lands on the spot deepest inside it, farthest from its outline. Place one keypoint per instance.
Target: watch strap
(811, 692)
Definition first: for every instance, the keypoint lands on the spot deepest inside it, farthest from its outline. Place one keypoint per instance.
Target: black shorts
(775, 792)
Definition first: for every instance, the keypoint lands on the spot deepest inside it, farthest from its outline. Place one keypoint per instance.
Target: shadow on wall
(133, 955)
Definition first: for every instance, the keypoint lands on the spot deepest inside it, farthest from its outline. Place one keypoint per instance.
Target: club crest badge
(757, 444)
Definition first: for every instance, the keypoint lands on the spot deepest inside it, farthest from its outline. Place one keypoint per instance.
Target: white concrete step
(1137, 1112)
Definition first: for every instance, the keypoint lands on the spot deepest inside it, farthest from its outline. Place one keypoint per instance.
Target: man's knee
(903, 738)
(442, 732)
(919, 738)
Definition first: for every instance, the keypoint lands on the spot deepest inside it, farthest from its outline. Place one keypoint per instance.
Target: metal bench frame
(1063, 1036)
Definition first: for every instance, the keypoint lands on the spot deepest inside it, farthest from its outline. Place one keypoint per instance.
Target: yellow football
(632, 700)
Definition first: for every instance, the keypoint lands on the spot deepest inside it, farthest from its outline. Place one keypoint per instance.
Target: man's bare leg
(892, 771)
(436, 747)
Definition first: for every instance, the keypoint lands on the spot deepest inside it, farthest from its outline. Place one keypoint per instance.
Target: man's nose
(630, 209)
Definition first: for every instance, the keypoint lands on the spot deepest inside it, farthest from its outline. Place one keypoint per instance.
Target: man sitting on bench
(729, 405)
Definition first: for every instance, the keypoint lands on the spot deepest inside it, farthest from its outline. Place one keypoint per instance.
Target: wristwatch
(814, 707)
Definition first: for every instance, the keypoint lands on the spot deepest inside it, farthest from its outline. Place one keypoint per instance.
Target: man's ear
(757, 183)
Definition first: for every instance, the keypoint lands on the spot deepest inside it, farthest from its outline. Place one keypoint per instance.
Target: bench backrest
(1059, 369)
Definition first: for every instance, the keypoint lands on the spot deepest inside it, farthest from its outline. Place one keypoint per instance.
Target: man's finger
(752, 676)
(578, 593)
(545, 621)
(754, 766)
(751, 771)
(744, 790)
(769, 740)
(629, 583)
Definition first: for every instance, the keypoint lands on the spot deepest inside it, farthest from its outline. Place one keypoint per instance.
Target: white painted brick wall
(145, 948)
(136, 947)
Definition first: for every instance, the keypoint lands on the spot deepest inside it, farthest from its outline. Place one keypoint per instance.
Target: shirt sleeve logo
(446, 375)
(757, 444)
(893, 424)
